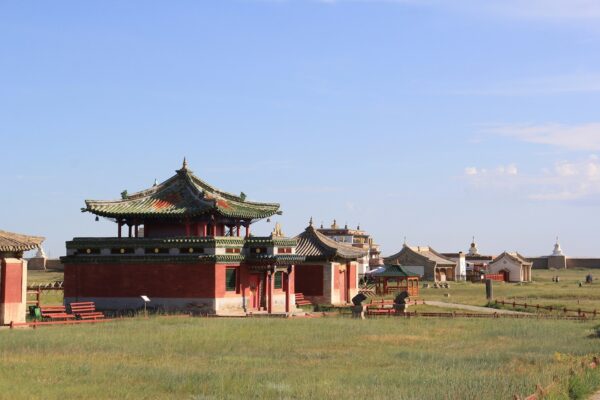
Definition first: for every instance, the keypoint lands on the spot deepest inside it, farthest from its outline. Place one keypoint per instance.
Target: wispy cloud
(564, 181)
(575, 82)
(583, 137)
(547, 10)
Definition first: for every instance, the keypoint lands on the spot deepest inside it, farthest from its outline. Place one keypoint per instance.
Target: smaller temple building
(470, 264)
(513, 266)
(13, 275)
(436, 266)
(329, 273)
(357, 238)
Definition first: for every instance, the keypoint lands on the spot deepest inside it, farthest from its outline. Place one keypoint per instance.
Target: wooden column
(136, 230)
(237, 229)
(204, 226)
(187, 228)
(247, 229)
(198, 229)
(120, 224)
(129, 226)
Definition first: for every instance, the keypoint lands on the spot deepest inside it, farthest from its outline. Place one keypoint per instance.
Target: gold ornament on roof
(277, 232)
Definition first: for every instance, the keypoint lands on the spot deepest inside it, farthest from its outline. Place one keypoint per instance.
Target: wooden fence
(564, 310)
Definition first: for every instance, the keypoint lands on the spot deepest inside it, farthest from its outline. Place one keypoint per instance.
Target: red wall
(309, 280)
(11, 282)
(352, 272)
(163, 229)
(176, 280)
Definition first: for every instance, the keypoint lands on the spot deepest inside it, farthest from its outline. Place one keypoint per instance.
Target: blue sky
(434, 120)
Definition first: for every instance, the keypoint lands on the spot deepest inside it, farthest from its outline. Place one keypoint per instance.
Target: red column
(269, 292)
(136, 230)
(198, 229)
(287, 293)
(129, 225)
(248, 229)
(204, 231)
(120, 226)
(237, 229)
(187, 228)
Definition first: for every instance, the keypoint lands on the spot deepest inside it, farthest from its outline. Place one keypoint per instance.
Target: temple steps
(301, 301)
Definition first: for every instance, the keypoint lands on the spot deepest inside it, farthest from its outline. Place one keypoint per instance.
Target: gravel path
(473, 308)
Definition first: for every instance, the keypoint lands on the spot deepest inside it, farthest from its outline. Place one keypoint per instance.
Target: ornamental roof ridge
(312, 243)
(182, 194)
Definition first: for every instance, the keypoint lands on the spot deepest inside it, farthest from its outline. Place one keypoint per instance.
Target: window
(278, 280)
(230, 279)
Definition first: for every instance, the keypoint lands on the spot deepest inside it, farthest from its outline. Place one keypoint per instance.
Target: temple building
(513, 266)
(471, 263)
(359, 239)
(436, 267)
(13, 275)
(329, 274)
(197, 253)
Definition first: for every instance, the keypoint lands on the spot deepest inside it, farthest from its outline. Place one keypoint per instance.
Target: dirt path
(595, 396)
(473, 308)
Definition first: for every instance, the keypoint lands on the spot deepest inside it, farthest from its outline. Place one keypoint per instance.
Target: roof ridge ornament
(184, 166)
(310, 223)
(277, 232)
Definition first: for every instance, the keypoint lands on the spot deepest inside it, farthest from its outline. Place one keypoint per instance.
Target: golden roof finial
(185, 164)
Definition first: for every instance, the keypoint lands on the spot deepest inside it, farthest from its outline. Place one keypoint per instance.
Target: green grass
(324, 358)
(543, 291)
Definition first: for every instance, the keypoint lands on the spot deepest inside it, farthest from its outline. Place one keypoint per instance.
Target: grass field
(543, 291)
(209, 358)
(325, 358)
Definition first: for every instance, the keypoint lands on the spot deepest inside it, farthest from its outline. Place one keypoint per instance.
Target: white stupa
(473, 251)
(557, 250)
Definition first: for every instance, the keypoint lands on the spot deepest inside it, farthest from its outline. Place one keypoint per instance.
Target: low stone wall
(583, 262)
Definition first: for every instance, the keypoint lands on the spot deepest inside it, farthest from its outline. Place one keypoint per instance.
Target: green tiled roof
(184, 194)
(392, 271)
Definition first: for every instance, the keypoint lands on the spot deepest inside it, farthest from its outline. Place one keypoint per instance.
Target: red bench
(86, 310)
(55, 312)
(381, 307)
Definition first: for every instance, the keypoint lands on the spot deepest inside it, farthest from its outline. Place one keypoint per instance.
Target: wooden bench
(86, 310)
(381, 307)
(55, 313)
(301, 301)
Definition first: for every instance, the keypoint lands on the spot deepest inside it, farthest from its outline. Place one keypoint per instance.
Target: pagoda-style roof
(312, 244)
(184, 194)
(15, 242)
(425, 252)
(392, 271)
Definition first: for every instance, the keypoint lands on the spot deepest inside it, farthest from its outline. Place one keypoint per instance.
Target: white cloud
(574, 137)
(565, 181)
(500, 170)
